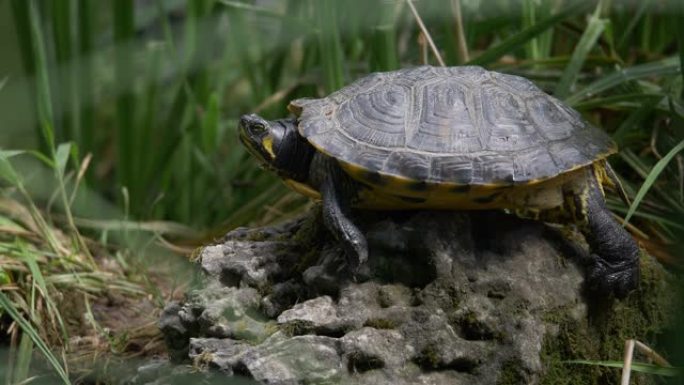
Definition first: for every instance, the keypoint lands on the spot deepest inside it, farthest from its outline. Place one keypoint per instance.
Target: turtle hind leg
(614, 267)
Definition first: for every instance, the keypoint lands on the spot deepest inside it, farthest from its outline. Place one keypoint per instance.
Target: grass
(46, 273)
(131, 107)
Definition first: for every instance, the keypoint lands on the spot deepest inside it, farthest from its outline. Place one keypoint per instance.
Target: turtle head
(261, 137)
(277, 145)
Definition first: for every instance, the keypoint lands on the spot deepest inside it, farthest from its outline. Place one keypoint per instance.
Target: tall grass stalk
(129, 147)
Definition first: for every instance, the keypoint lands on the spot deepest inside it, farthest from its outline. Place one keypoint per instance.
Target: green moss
(511, 374)
(309, 238)
(257, 236)
(296, 328)
(380, 323)
(644, 315)
(266, 289)
(429, 358)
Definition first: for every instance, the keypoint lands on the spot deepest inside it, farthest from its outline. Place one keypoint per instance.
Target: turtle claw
(618, 279)
(356, 251)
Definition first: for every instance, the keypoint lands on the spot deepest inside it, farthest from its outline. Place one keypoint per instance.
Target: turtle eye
(258, 128)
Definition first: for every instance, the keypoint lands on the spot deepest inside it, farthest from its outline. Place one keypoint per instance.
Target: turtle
(449, 138)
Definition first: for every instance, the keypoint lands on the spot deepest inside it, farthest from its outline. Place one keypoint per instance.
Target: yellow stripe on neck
(268, 145)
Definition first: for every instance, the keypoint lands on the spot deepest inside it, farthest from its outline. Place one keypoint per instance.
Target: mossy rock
(645, 315)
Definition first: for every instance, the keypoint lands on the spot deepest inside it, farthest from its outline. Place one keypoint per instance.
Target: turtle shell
(455, 125)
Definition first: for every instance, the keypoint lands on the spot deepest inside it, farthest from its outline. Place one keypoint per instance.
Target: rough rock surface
(445, 298)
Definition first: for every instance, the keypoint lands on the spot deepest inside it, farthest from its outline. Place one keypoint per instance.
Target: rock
(445, 298)
(369, 348)
(219, 353)
(318, 315)
(310, 359)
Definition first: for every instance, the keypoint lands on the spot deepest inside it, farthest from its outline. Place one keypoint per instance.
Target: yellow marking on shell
(389, 192)
(394, 196)
(303, 189)
(267, 143)
(354, 170)
(402, 185)
(394, 192)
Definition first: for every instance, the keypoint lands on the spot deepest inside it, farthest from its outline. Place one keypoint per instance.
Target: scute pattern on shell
(461, 125)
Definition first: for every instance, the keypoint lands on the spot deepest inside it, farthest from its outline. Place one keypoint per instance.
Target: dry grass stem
(426, 34)
(463, 55)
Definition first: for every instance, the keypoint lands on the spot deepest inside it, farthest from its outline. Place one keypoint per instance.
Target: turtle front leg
(615, 255)
(337, 191)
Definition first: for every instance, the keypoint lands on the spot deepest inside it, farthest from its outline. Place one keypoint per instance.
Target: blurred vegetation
(127, 110)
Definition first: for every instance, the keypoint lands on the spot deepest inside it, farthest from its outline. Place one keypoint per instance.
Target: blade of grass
(529, 16)
(635, 19)
(641, 367)
(515, 41)
(61, 158)
(83, 168)
(22, 22)
(8, 173)
(26, 327)
(634, 119)
(6, 170)
(661, 69)
(20, 370)
(38, 280)
(653, 217)
(651, 178)
(628, 101)
(643, 169)
(329, 45)
(148, 114)
(127, 146)
(242, 214)
(586, 43)
(159, 227)
(62, 15)
(545, 41)
(44, 98)
(198, 35)
(60, 161)
(680, 40)
(247, 46)
(86, 37)
(252, 8)
(210, 125)
(182, 174)
(384, 56)
(24, 32)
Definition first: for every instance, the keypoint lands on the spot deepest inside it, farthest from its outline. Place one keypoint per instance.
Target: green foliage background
(152, 89)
